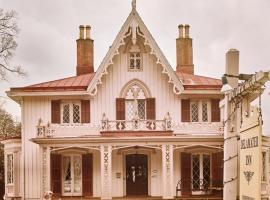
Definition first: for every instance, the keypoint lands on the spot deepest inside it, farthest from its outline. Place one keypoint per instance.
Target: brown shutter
(185, 110)
(85, 111)
(151, 108)
(186, 174)
(217, 169)
(120, 109)
(87, 174)
(56, 174)
(215, 111)
(55, 112)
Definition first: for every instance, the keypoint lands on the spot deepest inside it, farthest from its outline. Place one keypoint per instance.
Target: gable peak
(133, 4)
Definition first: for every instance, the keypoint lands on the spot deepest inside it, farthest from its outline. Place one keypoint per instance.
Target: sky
(49, 29)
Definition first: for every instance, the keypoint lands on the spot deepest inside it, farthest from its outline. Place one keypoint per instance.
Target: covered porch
(129, 168)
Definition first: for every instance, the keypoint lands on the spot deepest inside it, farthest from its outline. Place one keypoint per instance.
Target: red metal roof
(80, 83)
(191, 81)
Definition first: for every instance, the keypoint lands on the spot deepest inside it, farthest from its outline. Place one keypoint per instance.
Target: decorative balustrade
(135, 125)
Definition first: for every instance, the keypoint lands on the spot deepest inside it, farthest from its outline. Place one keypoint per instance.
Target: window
(71, 112)
(199, 111)
(72, 175)
(10, 169)
(194, 111)
(200, 171)
(135, 61)
(264, 170)
(135, 106)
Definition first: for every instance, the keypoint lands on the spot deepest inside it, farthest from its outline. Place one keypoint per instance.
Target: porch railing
(198, 185)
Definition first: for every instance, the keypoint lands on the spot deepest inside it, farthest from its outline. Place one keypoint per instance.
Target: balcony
(134, 127)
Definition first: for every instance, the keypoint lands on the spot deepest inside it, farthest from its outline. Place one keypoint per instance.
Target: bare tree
(8, 32)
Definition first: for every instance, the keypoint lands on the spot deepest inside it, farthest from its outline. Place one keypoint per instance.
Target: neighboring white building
(135, 127)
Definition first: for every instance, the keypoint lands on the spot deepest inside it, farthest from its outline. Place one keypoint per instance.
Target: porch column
(46, 169)
(106, 172)
(167, 171)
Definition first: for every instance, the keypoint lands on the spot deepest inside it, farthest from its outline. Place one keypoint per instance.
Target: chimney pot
(88, 28)
(187, 30)
(81, 27)
(181, 30)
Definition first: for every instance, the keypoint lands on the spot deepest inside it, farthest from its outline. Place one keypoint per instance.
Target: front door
(137, 174)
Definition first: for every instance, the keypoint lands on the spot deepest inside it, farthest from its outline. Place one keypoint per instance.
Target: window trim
(70, 103)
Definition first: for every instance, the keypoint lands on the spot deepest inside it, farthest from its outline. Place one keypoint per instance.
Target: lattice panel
(204, 112)
(194, 112)
(76, 113)
(196, 171)
(141, 109)
(66, 113)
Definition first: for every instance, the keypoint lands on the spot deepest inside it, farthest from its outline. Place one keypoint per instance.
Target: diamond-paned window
(141, 108)
(76, 113)
(130, 109)
(135, 61)
(66, 113)
(196, 171)
(10, 169)
(71, 112)
(194, 111)
(204, 112)
(206, 170)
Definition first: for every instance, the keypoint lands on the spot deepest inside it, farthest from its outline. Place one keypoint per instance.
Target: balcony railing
(135, 125)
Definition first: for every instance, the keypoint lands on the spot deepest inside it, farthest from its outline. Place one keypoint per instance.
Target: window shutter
(87, 174)
(217, 169)
(186, 174)
(85, 111)
(56, 174)
(120, 109)
(185, 110)
(55, 112)
(215, 111)
(151, 108)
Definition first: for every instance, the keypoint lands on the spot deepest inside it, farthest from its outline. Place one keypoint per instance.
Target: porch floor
(144, 198)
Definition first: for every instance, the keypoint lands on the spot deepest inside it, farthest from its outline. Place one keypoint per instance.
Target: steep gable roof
(137, 26)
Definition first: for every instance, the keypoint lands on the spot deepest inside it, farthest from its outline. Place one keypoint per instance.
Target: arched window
(137, 102)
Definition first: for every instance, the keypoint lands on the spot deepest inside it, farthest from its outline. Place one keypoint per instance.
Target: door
(72, 175)
(136, 174)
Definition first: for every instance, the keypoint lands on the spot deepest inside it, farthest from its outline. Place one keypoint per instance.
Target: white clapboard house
(134, 127)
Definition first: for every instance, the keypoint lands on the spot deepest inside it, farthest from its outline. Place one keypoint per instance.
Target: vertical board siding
(118, 76)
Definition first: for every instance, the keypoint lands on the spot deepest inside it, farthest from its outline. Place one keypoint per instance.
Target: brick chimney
(85, 51)
(184, 51)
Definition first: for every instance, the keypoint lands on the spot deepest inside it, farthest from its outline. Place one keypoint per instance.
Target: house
(134, 127)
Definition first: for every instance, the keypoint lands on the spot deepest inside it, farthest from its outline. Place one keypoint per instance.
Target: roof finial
(133, 4)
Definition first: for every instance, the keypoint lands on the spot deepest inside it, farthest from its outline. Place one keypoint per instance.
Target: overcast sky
(49, 29)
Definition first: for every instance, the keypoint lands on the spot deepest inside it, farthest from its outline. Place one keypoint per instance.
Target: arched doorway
(136, 174)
